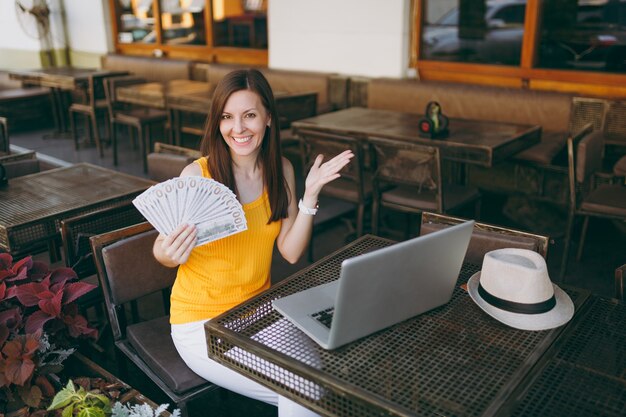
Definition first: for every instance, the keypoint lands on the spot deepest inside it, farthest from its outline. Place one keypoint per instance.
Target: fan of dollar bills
(208, 204)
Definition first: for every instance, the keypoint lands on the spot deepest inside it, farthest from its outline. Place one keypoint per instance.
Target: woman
(242, 148)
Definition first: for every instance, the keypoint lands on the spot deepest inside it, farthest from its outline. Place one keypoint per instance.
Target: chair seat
(456, 195)
(152, 342)
(140, 116)
(607, 200)
(544, 152)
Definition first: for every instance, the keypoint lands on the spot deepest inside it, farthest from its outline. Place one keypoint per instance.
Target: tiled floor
(604, 249)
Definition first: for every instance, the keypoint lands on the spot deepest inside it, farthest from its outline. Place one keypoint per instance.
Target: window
(182, 22)
(135, 21)
(474, 32)
(584, 35)
(241, 24)
(221, 30)
(575, 46)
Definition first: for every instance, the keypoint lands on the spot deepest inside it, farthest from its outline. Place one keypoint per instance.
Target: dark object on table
(434, 124)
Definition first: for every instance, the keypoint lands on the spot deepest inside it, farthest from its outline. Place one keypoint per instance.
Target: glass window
(135, 21)
(182, 22)
(476, 31)
(585, 35)
(240, 23)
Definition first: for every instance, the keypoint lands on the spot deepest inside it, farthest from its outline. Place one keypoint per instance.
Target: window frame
(207, 53)
(526, 75)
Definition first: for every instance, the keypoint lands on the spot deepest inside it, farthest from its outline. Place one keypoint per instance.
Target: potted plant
(39, 326)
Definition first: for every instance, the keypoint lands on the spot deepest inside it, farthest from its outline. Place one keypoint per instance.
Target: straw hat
(514, 288)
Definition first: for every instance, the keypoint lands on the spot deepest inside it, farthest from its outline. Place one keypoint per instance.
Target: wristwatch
(306, 210)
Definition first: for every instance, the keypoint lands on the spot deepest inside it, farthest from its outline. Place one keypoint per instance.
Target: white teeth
(242, 140)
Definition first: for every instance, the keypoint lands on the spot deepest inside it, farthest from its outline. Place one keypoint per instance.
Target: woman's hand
(174, 249)
(323, 173)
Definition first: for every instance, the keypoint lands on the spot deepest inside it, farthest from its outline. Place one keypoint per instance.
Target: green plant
(39, 325)
(80, 403)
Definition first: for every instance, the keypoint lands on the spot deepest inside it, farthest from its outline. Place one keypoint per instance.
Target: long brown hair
(217, 152)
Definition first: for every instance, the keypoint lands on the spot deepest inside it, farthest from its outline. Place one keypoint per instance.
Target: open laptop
(380, 288)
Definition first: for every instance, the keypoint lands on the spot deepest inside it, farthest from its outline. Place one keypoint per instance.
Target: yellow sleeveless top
(223, 273)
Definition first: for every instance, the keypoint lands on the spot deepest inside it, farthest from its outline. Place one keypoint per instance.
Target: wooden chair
(95, 107)
(127, 272)
(486, 237)
(620, 276)
(140, 118)
(353, 186)
(167, 161)
(5, 147)
(20, 164)
(407, 178)
(584, 154)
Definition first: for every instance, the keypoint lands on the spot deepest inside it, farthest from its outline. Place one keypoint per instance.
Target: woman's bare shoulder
(193, 169)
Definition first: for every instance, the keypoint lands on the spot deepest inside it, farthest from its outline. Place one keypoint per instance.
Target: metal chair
(353, 186)
(584, 154)
(412, 175)
(486, 237)
(128, 271)
(95, 107)
(140, 118)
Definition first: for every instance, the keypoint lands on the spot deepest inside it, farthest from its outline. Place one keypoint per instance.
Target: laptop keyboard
(325, 316)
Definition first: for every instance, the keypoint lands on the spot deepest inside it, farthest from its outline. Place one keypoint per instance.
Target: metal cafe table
(478, 142)
(32, 206)
(452, 361)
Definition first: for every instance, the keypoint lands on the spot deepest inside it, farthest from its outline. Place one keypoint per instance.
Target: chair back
(351, 184)
(167, 161)
(76, 231)
(404, 163)
(110, 90)
(96, 89)
(128, 270)
(486, 237)
(20, 164)
(584, 157)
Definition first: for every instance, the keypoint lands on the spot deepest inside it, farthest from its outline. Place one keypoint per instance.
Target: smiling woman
(241, 148)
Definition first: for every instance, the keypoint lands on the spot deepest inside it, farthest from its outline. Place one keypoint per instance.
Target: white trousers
(190, 342)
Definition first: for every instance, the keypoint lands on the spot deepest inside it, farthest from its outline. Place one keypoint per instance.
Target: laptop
(380, 288)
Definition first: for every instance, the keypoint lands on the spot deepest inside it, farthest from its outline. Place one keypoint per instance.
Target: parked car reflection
(500, 43)
(591, 35)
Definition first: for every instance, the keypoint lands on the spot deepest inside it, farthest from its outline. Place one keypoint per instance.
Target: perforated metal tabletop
(32, 206)
(452, 361)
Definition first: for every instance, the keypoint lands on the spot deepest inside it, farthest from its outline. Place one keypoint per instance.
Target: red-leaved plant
(39, 324)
